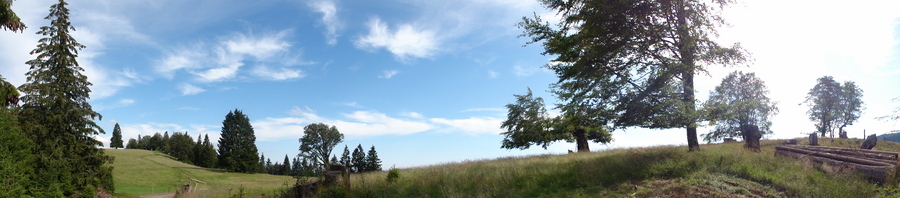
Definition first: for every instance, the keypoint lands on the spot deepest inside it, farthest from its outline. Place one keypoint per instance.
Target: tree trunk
(581, 141)
(686, 48)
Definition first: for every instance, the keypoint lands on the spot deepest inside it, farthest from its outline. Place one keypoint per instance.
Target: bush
(393, 175)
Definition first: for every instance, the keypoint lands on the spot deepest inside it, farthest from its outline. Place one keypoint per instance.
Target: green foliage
(633, 61)
(9, 96)
(832, 105)
(358, 160)
(345, 158)
(16, 157)
(529, 124)
(116, 140)
(8, 18)
(741, 99)
(317, 143)
(132, 144)
(180, 146)
(56, 115)
(237, 145)
(372, 161)
(393, 175)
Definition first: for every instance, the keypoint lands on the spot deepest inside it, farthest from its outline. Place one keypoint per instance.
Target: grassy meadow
(717, 170)
(142, 172)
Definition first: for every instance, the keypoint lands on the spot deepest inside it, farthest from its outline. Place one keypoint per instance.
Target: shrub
(393, 175)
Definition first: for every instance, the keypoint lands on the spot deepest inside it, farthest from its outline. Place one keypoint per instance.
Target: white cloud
(281, 74)
(412, 115)
(223, 60)
(188, 89)
(522, 71)
(329, 18)
(482, 125)
(388, 74)
(493, 74)
(353, 104)
(405, 42)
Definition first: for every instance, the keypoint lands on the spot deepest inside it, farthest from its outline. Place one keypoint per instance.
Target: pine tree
(197, 151)
(208, 153)
(116, 140)
(286, 166)
(261, 167)
(58, 117)
(16, 157)
(237, 145)
(372, 161)
(345, 158)
(359, 159)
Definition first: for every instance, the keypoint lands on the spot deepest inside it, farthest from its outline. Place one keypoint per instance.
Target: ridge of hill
(143, 173)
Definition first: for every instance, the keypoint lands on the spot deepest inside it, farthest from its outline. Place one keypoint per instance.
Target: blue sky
(423, 81)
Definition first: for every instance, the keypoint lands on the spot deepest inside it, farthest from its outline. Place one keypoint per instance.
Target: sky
(425, 82)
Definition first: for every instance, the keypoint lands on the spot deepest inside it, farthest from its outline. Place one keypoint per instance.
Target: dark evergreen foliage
(358, 160)
(181, 146)
(345, 157)
(16, 157)
(373, 163)
(237, 145)
(58, 118)
(116, 140)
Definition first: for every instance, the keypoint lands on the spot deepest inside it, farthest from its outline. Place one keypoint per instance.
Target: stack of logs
(875, 165)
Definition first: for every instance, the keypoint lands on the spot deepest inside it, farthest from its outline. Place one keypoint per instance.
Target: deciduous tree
(635, 59)
(528, 123)
(740, 100)
(832, 105)
(237, 144)
(317, 143)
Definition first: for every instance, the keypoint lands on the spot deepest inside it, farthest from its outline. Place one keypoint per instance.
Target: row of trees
(360, 161)
(833, 105)
(47, 147)
(180, 145)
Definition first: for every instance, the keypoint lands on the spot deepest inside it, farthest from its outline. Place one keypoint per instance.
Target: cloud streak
(329, 19)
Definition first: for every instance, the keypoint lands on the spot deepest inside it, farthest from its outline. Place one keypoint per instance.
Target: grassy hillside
(141, 172)
(719, 170)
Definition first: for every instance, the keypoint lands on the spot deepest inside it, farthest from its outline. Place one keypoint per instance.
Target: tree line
(237, 150)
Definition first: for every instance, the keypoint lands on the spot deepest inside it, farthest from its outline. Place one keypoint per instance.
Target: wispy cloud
(388, 74)
(406, 41)
(223, 60)
(522, 71)
(279, 74)
(474, 125)
(412, 115)
(120, 103)
(188, 89)
(493, 74)
(353, 104)
(329, 18)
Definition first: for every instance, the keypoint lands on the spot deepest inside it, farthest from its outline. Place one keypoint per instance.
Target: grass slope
(717, 170)
(142, 172)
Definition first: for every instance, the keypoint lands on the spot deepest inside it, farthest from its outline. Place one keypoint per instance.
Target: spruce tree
(116, 140)
(16, 157)
(345, 158)
(286, 166)
(208, 153)
(237, 146)
(58, 117)
(359, 159)
(372, 161)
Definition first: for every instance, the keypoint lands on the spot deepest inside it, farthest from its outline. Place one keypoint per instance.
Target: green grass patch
(141, 172)
(666, 171)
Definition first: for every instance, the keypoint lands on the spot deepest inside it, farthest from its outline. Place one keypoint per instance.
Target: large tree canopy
(633, 60)
(833, 106)
(529, 124)
(317, 143)
(740, 100)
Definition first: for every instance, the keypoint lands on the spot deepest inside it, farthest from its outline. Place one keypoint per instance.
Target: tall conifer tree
(237, 146)
(373, 163)
(56, 113)
(116, 140)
